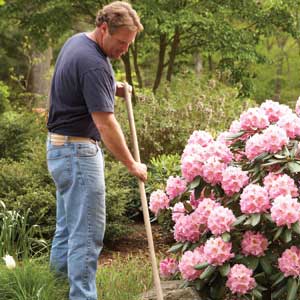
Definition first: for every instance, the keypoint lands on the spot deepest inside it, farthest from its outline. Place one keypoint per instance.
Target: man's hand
(120, 89)
(139, 170)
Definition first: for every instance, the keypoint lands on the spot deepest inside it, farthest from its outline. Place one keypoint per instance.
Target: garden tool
(156, 278)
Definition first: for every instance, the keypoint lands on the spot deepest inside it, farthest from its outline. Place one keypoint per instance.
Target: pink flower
(254, 199)
(158, 200)
(217, 251)
(188, 261)
(178, 211)
(289, 262)
(175, 186)
(212, 170)
(291, 124)
(240, 280)
(195, 202)
(220, 150)
(254, 118)
(285, 210)
(255, 146)
(223, 138)
(254, 244)
(274, 110)
(191, 167)
(200, 137)
(297, 108)
(188, 228)
(280, 185)
(168, 267)
(235, 127)
(274, 138)
(204, 209)
(233, 179)
(220, 220)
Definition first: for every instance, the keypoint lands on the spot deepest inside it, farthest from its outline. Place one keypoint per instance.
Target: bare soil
(136, 243)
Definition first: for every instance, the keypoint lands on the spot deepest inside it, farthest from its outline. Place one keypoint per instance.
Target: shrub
(165, 121)
(121, 190)
(236, 207)
(18, 134)
(4, 94)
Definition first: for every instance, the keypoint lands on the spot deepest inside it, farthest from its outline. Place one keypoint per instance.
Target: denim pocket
(86, 150)
(59, 162)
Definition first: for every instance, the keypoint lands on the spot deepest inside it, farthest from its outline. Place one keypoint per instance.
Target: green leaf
(207, 272)
(268, 217)
(278, 292)
(218, 288)
(175, 248)
(296, 227)
(224, 270)
(255, 219)
(266, 265)
(240, 220)
(195, 183)
(292, 289)
(199, 284)
(261, 156)
(261, 288)
(186, 246)
(226, 237)
(188, 207)
(278, 233)
(256, 293)
(201, 266)
(287, 235)
(293, 166)
(279, 279)
(251, 262)
(234, 136)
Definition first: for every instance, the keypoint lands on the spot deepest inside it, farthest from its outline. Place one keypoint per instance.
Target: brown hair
(119, 14)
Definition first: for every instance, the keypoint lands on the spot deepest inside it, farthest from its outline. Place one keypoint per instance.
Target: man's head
(117, 25)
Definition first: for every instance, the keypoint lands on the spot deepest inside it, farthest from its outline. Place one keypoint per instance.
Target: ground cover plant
(236, 208)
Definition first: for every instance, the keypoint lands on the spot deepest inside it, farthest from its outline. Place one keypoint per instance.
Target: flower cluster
(254, 244)
(189, 260)
(289, 262)
(236, 208)
(240, 279)
(168, 267)
(175, 186)
(158, 200)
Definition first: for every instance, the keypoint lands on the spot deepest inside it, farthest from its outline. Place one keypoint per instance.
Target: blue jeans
(78, 173)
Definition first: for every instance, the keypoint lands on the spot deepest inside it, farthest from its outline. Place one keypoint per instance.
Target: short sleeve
(98, 90)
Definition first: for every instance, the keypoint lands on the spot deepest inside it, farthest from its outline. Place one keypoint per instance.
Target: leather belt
(58, 139)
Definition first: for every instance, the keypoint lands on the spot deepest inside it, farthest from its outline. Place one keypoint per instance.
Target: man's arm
(113, 138)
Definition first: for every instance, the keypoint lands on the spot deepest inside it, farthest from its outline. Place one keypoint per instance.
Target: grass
(124, 278)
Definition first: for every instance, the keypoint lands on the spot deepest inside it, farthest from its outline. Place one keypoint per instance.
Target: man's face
(116, 44)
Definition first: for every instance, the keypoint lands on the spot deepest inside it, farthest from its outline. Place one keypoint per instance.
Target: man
(82, 111)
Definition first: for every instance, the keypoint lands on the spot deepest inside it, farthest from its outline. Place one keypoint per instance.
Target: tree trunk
(210, 63)
(174, 47)
(127, 66)
(161, 59)
(281, 42)
(134, 50)
(38, 82)
(198, 64)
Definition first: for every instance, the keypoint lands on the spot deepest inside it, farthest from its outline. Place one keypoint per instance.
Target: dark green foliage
(18, 134)
(121, 189)
(165, 122)
(4, 94)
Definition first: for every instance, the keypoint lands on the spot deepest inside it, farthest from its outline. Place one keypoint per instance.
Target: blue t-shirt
(83, 82)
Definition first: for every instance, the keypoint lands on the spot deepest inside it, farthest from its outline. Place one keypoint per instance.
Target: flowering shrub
(236, 208)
